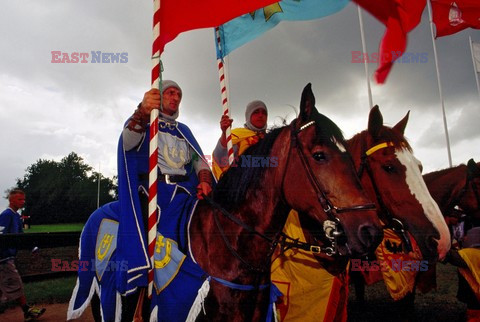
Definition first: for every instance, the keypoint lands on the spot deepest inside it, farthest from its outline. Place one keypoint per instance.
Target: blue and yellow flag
(243, 29)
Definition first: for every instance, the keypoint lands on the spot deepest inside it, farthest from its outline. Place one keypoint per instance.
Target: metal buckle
(315, 249)
(167, 179)
(329, 251)
(329, 227)
(397, 225)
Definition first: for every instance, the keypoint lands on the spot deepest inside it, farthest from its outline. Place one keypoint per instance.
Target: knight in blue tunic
(184, 175)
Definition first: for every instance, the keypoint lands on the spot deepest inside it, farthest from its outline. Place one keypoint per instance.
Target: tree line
(65, 191)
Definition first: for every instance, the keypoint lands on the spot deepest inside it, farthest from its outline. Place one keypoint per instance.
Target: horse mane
(326, 129)
(386, 134)
(234, 184)
(434, 175)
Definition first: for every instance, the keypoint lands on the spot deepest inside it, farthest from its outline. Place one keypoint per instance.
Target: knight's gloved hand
(225, 122)
(205, 185)
(203, 188)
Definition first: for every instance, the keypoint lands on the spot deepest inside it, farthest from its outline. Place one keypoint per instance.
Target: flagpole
(474, 65)
(153, 147)
(223, 91)
(364, 48)
(439, 85)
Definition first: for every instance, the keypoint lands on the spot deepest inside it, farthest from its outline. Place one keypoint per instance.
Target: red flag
(177, 16)
(400, 17)
(451, 16)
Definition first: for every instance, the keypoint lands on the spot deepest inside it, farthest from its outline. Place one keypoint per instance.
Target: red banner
(453, 16)
(399, 17)
(177, 16)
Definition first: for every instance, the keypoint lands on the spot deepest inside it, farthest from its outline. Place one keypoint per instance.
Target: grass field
(55, 228)
(437, 305)
(56, 290)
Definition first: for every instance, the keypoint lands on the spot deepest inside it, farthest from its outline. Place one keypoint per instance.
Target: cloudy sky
(48, 110)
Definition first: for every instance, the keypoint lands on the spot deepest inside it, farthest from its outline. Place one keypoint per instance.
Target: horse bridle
(393, 223)
(331, 226)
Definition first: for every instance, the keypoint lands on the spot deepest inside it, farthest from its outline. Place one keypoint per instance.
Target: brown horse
(392, 177)
(457, 187)
(314, 175)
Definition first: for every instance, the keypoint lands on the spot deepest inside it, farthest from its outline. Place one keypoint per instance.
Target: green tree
(65, 191)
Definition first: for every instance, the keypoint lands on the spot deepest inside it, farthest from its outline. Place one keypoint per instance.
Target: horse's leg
(129, 306)
(467, 296)
(359, 284)
(406, 306)
(129, 303)
(233, 305)
(95, 306)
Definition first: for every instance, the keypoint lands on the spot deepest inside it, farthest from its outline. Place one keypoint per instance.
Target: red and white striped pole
(223, 90)
(153, 147)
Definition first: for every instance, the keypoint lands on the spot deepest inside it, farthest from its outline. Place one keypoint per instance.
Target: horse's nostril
(370, 236)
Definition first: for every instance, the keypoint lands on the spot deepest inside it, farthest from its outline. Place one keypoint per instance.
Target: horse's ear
(473, 169)
(307, 103)
(400, 126)
(375, 121)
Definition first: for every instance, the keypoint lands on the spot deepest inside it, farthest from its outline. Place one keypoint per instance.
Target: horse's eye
(389, 168)
(319, 156)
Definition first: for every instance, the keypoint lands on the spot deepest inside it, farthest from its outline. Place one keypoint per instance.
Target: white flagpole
(474, 65)
(364, 48)
(439, 85)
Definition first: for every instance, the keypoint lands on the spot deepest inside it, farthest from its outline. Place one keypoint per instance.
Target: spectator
(11, 286)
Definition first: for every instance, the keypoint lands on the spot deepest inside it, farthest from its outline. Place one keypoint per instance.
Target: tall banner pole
(153, 147)
(475, 63)
(223, 90)
(439, 85)
(364, 48)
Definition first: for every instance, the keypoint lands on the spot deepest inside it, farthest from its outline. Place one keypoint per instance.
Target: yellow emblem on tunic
(105, 245)
(159, 245)
(167, 152)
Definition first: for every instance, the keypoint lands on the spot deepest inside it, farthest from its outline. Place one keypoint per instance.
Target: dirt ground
(54, 313)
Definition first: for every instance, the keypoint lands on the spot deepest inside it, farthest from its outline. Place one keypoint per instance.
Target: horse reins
(228, 215)
(281, 239)
(331, 229)
(393, 223)
(331, 226)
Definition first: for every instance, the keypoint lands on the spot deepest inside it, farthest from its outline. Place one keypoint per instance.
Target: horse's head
(320, 182)
(392, 176)
(469, 202)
